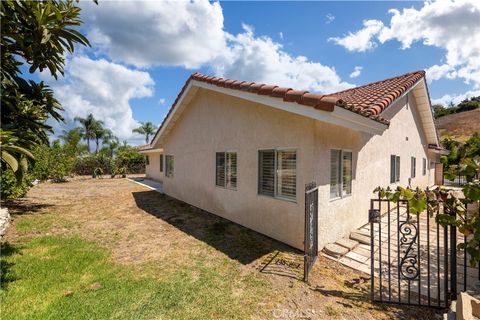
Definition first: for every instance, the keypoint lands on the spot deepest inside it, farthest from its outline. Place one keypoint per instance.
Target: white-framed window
(277, 173)
(226, 170)
(424, 166)
(161, 162)
(169, 165)
(413, 167)
(147, 160)
(394, 168)
(341, 173)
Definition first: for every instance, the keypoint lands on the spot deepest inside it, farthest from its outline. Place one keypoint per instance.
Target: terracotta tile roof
(375, 97)
(367, 100)
(318, 101)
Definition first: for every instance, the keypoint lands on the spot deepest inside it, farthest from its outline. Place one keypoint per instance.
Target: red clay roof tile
(368, 100)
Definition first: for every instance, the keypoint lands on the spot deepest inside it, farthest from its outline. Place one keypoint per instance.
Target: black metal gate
(311, 228)
(414, 260)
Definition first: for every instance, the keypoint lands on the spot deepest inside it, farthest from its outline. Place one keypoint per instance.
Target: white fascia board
(430, 119)
(339, 116)
(146, 151)
(428, 125)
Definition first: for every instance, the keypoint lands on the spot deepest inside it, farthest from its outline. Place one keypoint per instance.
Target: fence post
(453, 259)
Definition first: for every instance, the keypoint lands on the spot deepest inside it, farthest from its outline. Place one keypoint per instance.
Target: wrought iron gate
(311, 228)
(414, 260)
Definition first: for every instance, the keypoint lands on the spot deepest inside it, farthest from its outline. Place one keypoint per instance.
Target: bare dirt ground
(146, 230)
(460, 126)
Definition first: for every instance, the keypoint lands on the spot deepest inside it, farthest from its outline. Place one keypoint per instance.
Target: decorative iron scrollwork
(408, 267)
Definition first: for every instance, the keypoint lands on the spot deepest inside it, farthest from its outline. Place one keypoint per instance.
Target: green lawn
(109, 249)
(70, 278)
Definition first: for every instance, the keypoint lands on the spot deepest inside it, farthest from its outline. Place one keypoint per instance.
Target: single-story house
(245, 151)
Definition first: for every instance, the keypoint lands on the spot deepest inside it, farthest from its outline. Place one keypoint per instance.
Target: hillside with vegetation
(459, 126)
(459, 121)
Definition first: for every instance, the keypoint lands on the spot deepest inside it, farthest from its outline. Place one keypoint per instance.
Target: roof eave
(338, 116)
(150, 150)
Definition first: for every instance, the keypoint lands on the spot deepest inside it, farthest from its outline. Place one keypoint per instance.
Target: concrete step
(335, 250)
(451, 315)
(347, 243)
(360, 236)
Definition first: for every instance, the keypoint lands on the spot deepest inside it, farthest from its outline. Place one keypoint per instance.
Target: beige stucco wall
(371, 166)
(214, 122)
(152, 170)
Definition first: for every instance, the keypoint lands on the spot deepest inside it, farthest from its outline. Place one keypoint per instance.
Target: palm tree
(110, 143)
(101, 134)
(89, 124)
(71, 139)
(147, 129)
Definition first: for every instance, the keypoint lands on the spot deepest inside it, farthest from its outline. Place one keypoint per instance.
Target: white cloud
(329, 18)
(191, 34)
(356, 72)
(147, 33)
(280, 34)
(456, 98)
(450, 25)
(260, 59)
(361, 40)
(437, 72)
(104, 89)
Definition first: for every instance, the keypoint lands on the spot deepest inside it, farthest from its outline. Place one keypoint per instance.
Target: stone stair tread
(363, 232)
(335, 250)
(347, 243)
(362, 238)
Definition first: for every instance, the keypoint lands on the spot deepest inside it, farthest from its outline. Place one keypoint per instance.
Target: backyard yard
(109, 248)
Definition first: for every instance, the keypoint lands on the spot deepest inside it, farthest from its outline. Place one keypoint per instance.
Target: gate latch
(374, 216)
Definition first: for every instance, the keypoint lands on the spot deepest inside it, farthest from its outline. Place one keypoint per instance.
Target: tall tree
(37, 34)
(101, 134)
(71, 140)
(147, 129)
(111, 144)
(89, 127)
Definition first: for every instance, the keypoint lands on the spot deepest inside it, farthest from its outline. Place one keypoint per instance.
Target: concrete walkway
(147, 183)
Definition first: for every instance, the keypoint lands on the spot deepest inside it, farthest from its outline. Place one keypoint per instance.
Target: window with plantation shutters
(287, 174)
(424, 166)
(413, 168)
(169, 164)
(394, 168)
(340, 173)
(231, 170)
(226, 170)
(266, 176)
(277, 173)
(335, 173)
(346, 173)
(161, 163)
(220, 169)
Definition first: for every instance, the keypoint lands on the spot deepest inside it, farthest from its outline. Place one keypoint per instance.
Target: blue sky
(142, 52)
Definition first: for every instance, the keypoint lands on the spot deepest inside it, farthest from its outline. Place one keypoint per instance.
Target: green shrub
(127, 158)
(10, 188)
(53, 162)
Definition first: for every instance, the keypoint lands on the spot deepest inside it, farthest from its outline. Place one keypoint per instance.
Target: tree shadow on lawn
(237, 242)
(6, 250)
(24, 206)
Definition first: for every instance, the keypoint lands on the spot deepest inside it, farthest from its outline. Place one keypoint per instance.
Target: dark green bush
(128, 160)
(10, 188)
(54, 162)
